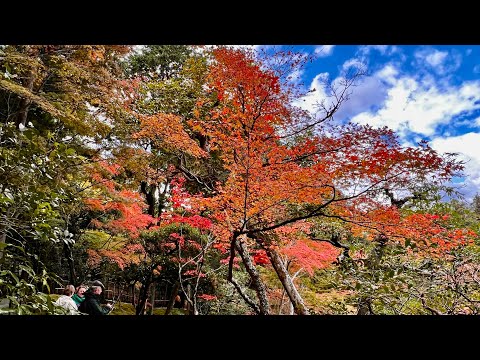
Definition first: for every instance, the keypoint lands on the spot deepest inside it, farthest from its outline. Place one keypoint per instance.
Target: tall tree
(55, 103)
(285, 167)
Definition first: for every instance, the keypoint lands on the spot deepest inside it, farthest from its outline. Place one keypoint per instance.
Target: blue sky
(421, 92)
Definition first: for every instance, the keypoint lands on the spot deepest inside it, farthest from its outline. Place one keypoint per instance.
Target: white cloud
(409, 104)
(442, 62)
(295, 76)
(387, 74)
(382, 49)
(468, 147)
(324, 50)
(476, 69)
(317, 93)
(369, 93)
(436, 58)
(420, 105)
(425, 103)
(353, 63)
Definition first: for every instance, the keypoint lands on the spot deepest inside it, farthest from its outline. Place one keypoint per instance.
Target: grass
(128, 309)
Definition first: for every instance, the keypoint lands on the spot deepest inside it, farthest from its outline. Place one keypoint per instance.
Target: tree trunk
(142, 297)
(133, 294)
(149, 191)
(172, 297)
(288, 285)
(365, 306)
(155, 198)
(281, 303)
(3, 240)
(255, 276)
(24, 102)
(69, 255)
(193, 296)
(152, 298)
(190, 309)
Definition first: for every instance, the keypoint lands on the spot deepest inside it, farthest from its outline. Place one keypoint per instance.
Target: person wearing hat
(98, 283)
(91, 305)
(101, 297)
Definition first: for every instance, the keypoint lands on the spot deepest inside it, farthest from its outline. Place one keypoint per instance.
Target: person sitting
(91, 304)
(101, 299)
(66, 300)
(79, 295)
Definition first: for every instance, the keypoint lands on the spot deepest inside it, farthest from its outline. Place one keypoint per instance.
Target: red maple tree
(286, 167)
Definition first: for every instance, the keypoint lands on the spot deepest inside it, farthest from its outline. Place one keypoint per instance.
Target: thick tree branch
(334, 240)
(398, 203)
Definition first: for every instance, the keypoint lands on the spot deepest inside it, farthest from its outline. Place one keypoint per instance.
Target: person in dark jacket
(101, 298)
(91, 304)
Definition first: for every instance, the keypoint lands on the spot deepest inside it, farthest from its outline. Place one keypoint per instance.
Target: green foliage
(21, 287)
(98, 239)
(47, 125)
(228, 301)
(160, 62)
(399, 279)
(460, 214)
(37, 196)
(32, 191)
(401, 282)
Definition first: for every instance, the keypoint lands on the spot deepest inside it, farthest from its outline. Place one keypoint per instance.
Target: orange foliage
(311, 255)
(166, 131)
(338, 171)
(94, 258)
(281, 170)
(126, 207)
